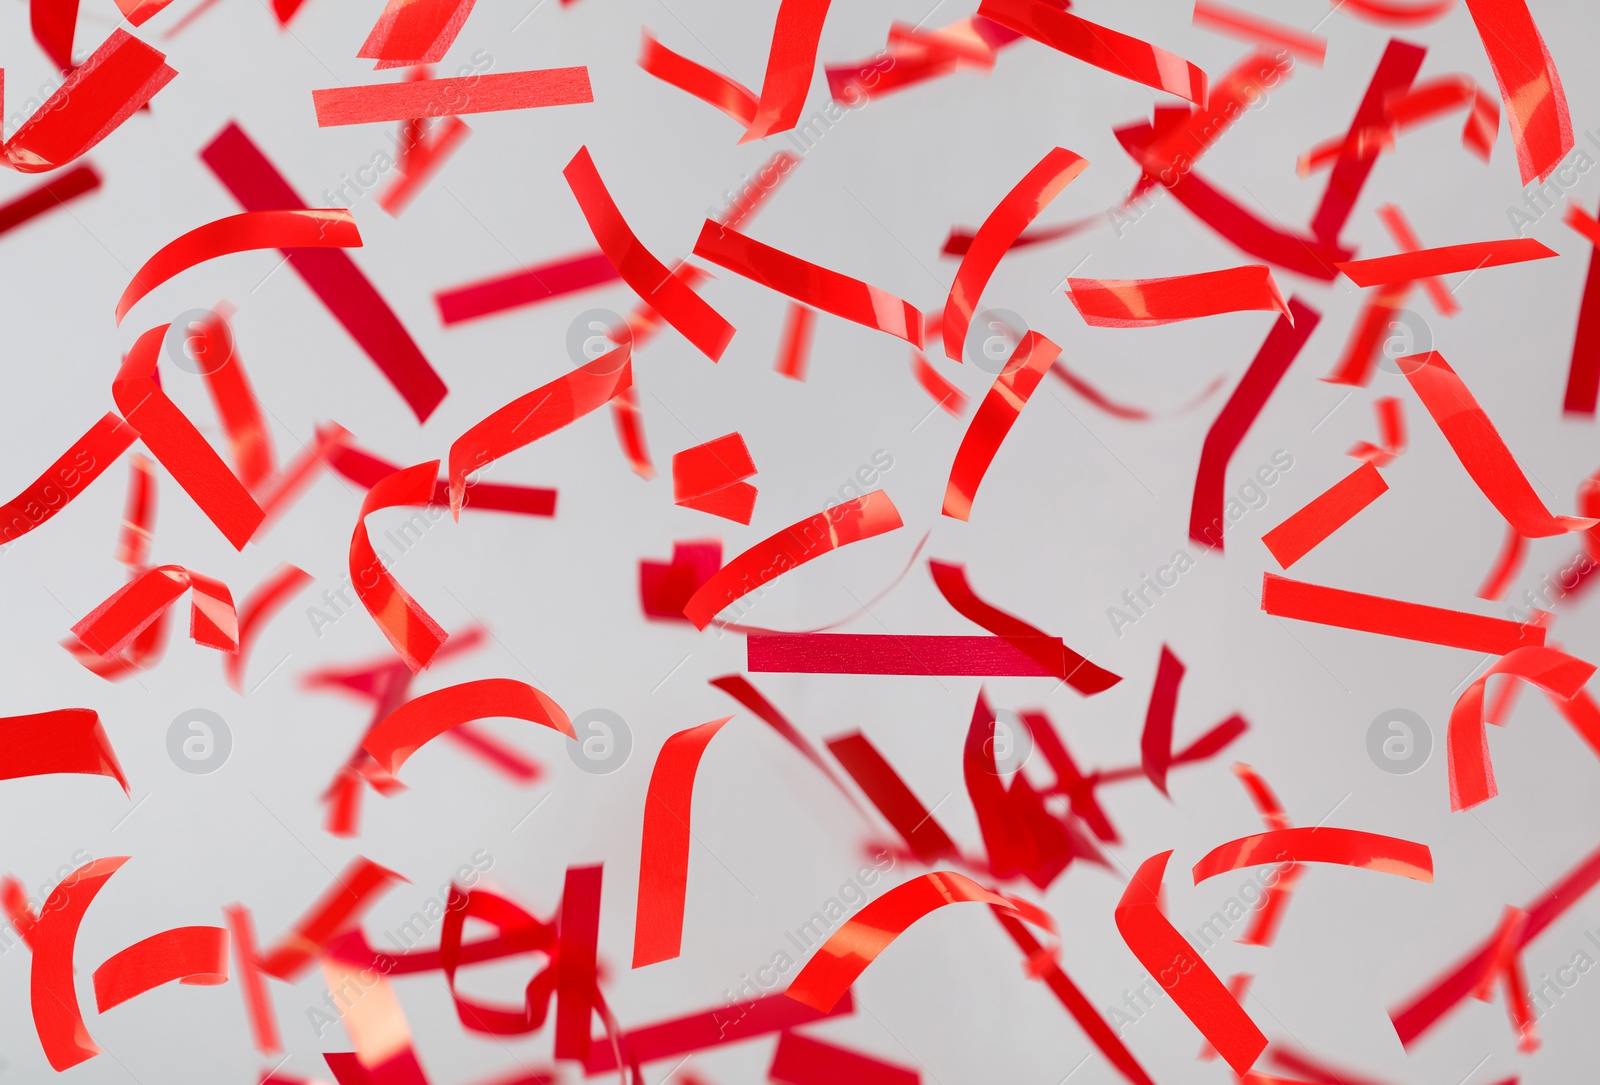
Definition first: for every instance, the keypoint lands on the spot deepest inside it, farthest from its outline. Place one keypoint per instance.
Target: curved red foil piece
(192, 955)
(993, 420)
(412, 630)
(397, 736)
(51, 989)
(1320, 844)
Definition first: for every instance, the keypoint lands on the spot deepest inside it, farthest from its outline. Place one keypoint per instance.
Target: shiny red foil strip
(112, 626)
(397, 736)
(311, 228)
(367, 470)
(900, 806)
(1478, 446)
(837, 963)
(1391, 431)
(67, 477)
(1000, 230)
(1227, 20)
(710, 478)
(794, 352)
(993, 420)
(489, 296)
(1155, 741)
(67, 740)
(332, 276)
(51, 989)
(1167, 956)
(1141, 303)
(1583, 375)
(1409, 266)
(1324, 514)
(354, 890)
(47, 197)
(1100, 46)
(257, 1003)
(1287, 598)
(412, 631)
(661, 289)
(791, 63)
(412, 32)
(1536, 106)
(193, 955)
(869, 653)
(710, 87)
(711, 1028)
(1320, 844)
(449, 97)
(664, 845)
(809, 283)
(578, 933)
(257, 609)
(800, 1060)
(860, 518)
(1278, 352)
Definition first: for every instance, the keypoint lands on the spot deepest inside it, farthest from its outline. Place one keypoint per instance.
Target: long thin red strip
(739, 688)
(895, 801)
(257, 1003)
(1324, 514)
(354, 890)
(412, 630)
(489, 296)
(868, 653)
(413, 32)
(1193, 986)
(367, 470)
(1409, 266)
(1142, 303)
(1278, 352)
(664, 845)
(1583, 375)
(861, 518)
(1536, 106)
(800, 1060)
(791, 63)
(191, 955)
(234, 399)
(993, 419)
(710, 87)
(48, 196)
(51, 989)
(397, 736)
(809, 283)
(67, 477)
(1155, 741)
(67, 740)
(1000, 230)
(330, 274)
(450, 97)
(258, 608)
(1386, 617)
(579, 936)
(1322, 844)
(710, 1028)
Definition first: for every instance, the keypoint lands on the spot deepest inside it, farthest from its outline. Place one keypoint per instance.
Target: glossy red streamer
(1000, 230)
(1321, 844)
(449, 97)
(1272, 361)
(791, 63)
(412, 32)
(412, 630)
(393, 740)
(868, 653)
(51, 989)
(895, 801)
(67, 477)
(110, 627)
(367, 470)
(257, 1003)
(709, 477)
(1324, 514)
(67, 740)
(710, 1028)
(1536, 106)
(191, 955)
(1155, 741)
(1142, 303)
(495, 295)
(710, 87)
(48, 196)
(1409, 266)
(664, 846)
(1287, 598)
(258, 608)
(800, 1060)
(993, 420)
(354, 890)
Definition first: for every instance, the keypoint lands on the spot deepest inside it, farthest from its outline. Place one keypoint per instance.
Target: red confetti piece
(1536, 106)
(51, 989)
(139, 12)
(895, 801)
(711, 87)
(191, 955)
(1394, 220)
(423, 154)
(367, 470)
(709, 477)
(1324, 514)
(330, 274)
(1321, 844)
(791, 63)
(258, 608)
(489, 296)
(1512, 553)
(661, 289)
(1191, 983)
(664, 847)
(415, 32)
(354, 890)
(1409, 266)
(449, 97)
(800, 1060)
(945, 394)
(1027, 198)
(993, 420)
(248, 441)
(1272, 361)
(67, 740)
(110, 627)
(1155, 742)
(257, 1003)
(575, 960)
(1287, 598)
(412, 631)
(794, 353)
(67, 477)
(860, 518)
(665, 588)
(1391, 431)
(1101, 46)
(1385, 11)
(809, 283)
(1583, 376)
(1140, 303)
(840, 960)
(393, 740)
(867, 653)
(1006, 838)
(48, 196)
(711, 1028)
(740, 689)
(54, 24)
(1240, 24)
(504, 916)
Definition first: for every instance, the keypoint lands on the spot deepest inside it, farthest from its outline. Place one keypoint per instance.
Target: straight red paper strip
(1155, 741)
(1321, 844)
(794, 354)
(191, 955)
(1324, 514)
(367, 470)
(800, 1060)
(1287, 598)
(791, 63)
(413, 32)
(710, 87)
(895, 801)
(68, 477)
(450, 97)
(1409, 266)
(579, 936)
(257, 1003)
(486, 297)
(1143, 303)
(1536, 106)
(869, 653)
(992, 421)
(67, 740)
(48, 196)
(397, 736)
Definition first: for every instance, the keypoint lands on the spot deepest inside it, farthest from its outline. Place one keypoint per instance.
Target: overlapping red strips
(664, 845)
(537, 414)
(257, 609)
(1278, 352)
(411, 32)
(367, 470)
(412, 631)
(397, 736)
(1139, 303)
(449, 97)
(1101, 46)
(1179, 969)
(578, 940)
(489, 296)
(1391, 431)
(110, 627)
(664, 291)
(504, 916)
(709, 477)
(211, 343)
(1027, 198)
(354, 890)
(67, 477)
(1479, 448)
(1395, 14)
(800, 1060)
(791, 63)
(860, 518)
(332, 276)
(855, 945)
(710, 1028)
(993, 419)
(1324, 514)
(900, 806)
(1394, 220)
(1321, 844)
(99, 94)
(1408, 266)
(191, 955)
(311, 228)
(69, 740)
(1287, 598)
(51, 990)
(1471, 775)
(711, 87)
(1536, 106)
(809, 283)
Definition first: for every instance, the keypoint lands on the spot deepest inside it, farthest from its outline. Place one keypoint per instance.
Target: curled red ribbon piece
(1536, 106)
(993, 419)
(791, 63)
(1141, 303)
(711, 87)
(1287, 598)
(827, 976)
(1322, 844)
(67, 740)
(1166, 955)
(310, 228)
(664, 845)
(537, 414)
(109, 628)
(1481, 451)
(450, 97)
(1101, 46)
(354, 890)
(51, 990)
(1471, 775)
(861, 518)
(809, 283)
(397, 736)
(192, 955)
(367, 470)
(1409, 266)
(68, 477)
(1000, 230)
(1324, 514)
(412, 630)
(413, 32)
(258, 608)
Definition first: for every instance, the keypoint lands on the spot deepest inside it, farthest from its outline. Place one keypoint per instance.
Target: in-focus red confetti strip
(711, 1028)
(1320, 844)
(1287, 598)
(412, 631)
(1155, 741)
(67, 477)
(51, 989)
(109, 628)
(64, 740)
(1278, 352)
(800, 1060)
(992, 421)
(710, 478)
(1583, 375)
(1140, 303)
(1324, 514)
(711, 87)
(449, 97)
(191, 955)
(1013, 214)
(664, 846)
(1166, 955)
(896, 801)
(868, 653)
(1536, 106)
(791, 63)
(393, 740)
(1410, 266)
(47, 197)
(1227, 20)
(411, 32)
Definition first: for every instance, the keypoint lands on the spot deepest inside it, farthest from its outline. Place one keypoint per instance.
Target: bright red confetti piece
(1320, 844)
(450, 97)
(51, 989)
(1536, 106)
(191, 955)
(67, 740)
(1324, 514)
(397, 736)
(1141, 303)
(709, 477)
(1410, 266)
(412, 32)
(993, 420)
(412, 631)
(1287, 598)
